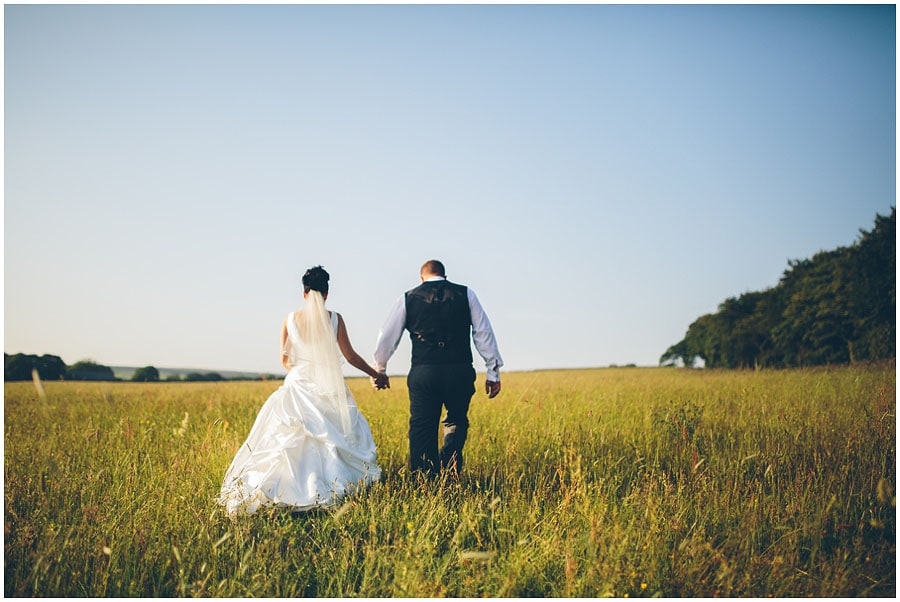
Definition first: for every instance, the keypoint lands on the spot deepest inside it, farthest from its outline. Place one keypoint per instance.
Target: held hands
(492, 388)
(381, 381)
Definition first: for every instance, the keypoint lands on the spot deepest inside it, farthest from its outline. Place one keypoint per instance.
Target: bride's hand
(381, 381)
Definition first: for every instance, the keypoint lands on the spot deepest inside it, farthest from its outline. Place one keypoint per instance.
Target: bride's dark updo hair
(316, 279)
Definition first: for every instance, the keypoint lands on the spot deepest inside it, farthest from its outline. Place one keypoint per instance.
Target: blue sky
(600, 175)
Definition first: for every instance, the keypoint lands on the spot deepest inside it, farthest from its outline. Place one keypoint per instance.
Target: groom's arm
(390, 334)
(483, 337)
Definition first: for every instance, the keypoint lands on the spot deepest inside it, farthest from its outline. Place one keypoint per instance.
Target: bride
(310, 445)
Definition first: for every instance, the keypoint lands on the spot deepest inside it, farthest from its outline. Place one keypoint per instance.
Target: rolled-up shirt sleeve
(390, 333)
(483, 336)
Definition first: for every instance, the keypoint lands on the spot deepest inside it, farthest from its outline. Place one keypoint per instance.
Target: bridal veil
(320, 348)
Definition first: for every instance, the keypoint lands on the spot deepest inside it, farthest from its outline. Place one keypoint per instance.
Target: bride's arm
(285, 358)
(347, 349)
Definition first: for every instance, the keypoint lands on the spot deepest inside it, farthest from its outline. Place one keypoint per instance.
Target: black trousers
(432, 387)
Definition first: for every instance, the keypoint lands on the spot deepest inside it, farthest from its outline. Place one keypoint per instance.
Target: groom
(439, 316)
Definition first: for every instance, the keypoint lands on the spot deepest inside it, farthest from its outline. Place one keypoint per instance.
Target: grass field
(609, 482)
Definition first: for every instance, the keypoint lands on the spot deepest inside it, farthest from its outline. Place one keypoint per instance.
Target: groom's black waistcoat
(439, 323)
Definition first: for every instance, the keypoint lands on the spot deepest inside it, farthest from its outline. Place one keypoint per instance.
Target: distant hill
(125, 372)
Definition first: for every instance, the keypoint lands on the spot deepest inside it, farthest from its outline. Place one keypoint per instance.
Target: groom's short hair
(433, 266)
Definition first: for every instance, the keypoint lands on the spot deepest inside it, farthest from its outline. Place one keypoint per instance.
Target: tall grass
(613, 482)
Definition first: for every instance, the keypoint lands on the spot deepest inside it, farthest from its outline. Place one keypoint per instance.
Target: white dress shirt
(482, 333)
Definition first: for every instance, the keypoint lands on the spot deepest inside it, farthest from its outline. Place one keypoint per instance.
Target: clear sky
(601, 176)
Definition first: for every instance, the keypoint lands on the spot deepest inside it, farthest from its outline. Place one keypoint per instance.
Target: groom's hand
(381, 381)
(492, 388)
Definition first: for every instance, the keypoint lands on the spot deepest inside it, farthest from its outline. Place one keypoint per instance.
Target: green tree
(145, 374)
(838, 307)
(20, 365)
(876, 289)
(89, 370)
(209, 376)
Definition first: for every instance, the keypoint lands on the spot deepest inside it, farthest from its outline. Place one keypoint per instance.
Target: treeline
(838, 307)
(51, 367)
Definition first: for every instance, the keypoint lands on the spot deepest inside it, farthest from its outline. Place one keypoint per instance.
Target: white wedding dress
(305, 450)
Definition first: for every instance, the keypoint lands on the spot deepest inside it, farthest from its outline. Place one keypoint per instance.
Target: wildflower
(184, 424)
(643, 586)
(37, 384)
